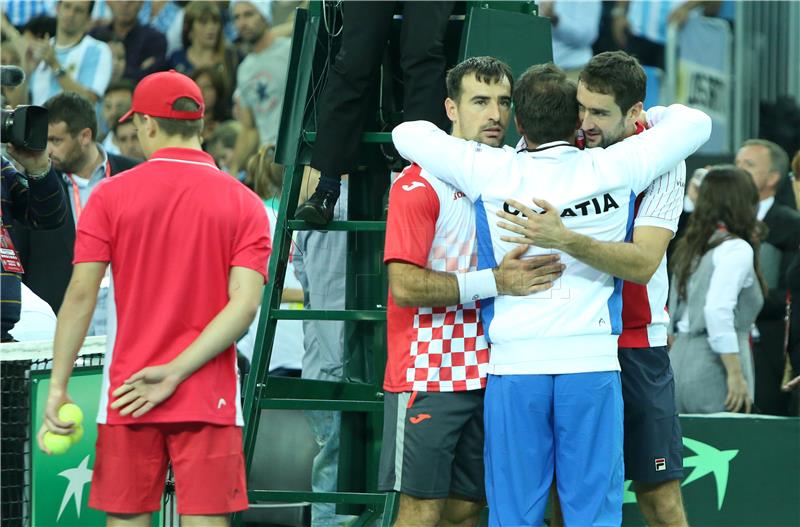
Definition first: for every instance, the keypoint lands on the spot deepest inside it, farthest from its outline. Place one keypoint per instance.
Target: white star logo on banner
(77, 477)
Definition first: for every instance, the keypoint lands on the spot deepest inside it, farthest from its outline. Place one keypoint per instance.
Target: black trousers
(769, 361)
(344, 101)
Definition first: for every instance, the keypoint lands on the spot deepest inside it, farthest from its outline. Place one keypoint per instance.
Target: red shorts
(131, 465)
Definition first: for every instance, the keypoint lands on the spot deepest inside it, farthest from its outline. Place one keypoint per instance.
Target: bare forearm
(424, 288)
(218, 335)
(246, 144)
(621, 259)
(292, 295)
(73, 322)
(732, 364)
(71, 85)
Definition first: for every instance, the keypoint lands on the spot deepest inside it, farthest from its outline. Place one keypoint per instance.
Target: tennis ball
(77, 435)
(56, 443)
(70, 412)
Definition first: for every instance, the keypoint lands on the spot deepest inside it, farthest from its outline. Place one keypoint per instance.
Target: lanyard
(76, 195)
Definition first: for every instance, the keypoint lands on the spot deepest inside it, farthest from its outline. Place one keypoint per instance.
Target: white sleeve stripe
(661, 191)
(668, 212)
(663, 199)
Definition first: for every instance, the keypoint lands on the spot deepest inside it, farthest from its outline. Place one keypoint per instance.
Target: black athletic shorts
(653, 443)
(433, 445)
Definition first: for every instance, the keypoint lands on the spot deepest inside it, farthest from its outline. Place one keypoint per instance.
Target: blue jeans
(326, 426)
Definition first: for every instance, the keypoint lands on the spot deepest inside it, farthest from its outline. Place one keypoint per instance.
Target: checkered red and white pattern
(450, 353)
(443, 349)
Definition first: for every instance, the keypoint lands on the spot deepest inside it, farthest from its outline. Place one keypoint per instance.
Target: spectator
(116, 101)
(575, 28)
(118, 60)
(260, 79)
(33, 200)
(82, 164)
(221, 146)
(125, 141)
(287, 347)
(10, 56)
(72, 61)
(165, 16)
(640, 26)
(768, 165)
(204, 45)
(320, 262)
(344, 102)
(145, 47)
(788, 189)
(217, 102)
(21, 49)
(717, 291)
(19, 12)
(283, 16)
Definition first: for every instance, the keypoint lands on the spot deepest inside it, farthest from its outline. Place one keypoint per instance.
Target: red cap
(155, 94)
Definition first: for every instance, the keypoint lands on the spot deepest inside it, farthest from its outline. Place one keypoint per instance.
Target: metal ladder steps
(366, 137)
(288, 393)
(349, 226)
(376, 315)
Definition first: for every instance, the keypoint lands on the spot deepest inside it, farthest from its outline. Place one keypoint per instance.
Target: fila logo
(458, 195)
(661, 464)
(413, 185)
(417, 419)
(221, 403)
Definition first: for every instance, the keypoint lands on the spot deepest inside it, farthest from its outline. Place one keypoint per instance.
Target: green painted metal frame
(262, 391)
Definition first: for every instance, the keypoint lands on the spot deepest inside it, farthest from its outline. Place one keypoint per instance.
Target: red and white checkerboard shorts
(131, 465)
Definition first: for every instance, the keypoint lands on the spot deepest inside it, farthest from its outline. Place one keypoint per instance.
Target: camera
(24, 126)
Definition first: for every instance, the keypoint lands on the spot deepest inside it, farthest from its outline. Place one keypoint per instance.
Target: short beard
(608, 140)
(73, 164)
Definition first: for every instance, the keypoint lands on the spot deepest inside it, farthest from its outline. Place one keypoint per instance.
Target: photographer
(35, 199)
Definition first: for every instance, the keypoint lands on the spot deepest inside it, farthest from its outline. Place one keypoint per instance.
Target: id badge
(8, 255)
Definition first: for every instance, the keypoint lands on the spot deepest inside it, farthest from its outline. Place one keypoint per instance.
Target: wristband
(476, 285)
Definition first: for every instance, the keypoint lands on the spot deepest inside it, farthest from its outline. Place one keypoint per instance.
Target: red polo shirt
(172, 228)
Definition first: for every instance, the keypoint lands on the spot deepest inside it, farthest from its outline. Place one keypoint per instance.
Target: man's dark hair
(91, 6)
(116, 124)
(485, 69)
(40, 26)
(618, 74)
(545, 104)
(73, 109)
(120, 85)
(186, 128)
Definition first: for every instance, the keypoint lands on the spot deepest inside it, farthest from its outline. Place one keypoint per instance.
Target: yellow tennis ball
(76, 436)
(56, 443)
(70, 412)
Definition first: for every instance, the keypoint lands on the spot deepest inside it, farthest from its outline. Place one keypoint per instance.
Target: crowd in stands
(237, 52)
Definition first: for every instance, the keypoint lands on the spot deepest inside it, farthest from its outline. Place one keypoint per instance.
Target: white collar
(763, 207)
